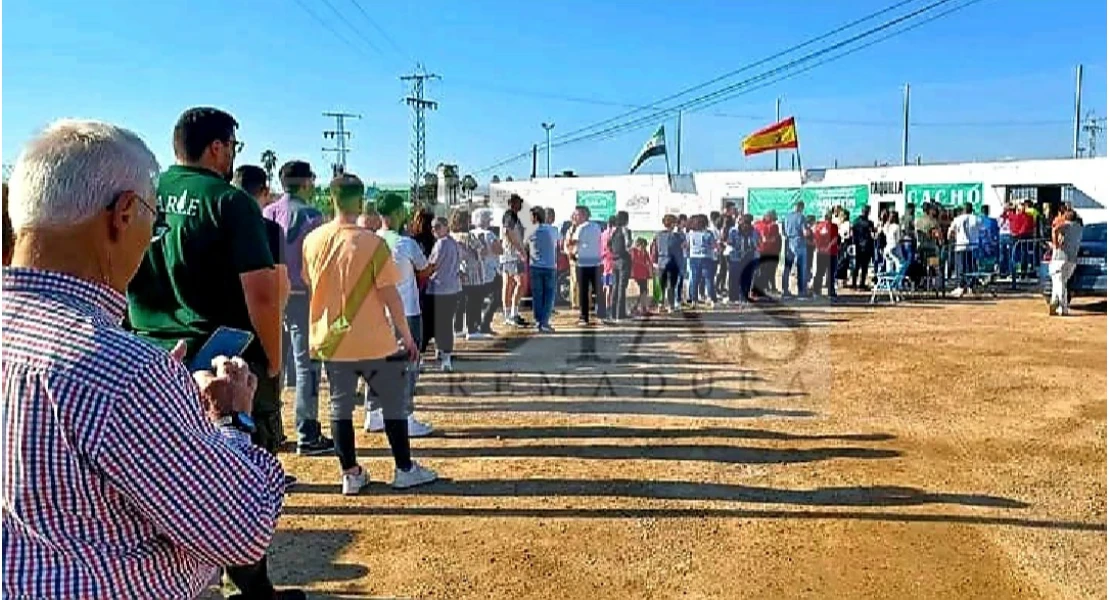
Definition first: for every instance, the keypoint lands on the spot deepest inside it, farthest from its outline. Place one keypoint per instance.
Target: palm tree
(469, 184)
(269, 161)
(509, 179)
(495, 179)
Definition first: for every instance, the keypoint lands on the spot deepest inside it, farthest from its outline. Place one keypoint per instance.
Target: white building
(1084, 182)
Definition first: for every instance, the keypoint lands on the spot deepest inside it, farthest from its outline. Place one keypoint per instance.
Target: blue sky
(993, 80)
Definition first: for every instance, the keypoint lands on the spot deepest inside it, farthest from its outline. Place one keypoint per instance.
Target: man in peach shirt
(355, 319)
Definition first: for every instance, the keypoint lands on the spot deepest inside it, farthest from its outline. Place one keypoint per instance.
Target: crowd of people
(731, 258)
(136, 471)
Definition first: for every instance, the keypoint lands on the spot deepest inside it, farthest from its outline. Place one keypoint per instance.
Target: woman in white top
(892, 251)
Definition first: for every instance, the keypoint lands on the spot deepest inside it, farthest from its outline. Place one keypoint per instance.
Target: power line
(746, 86)
(748, 67)
(347, 22)
(331, 29)
(382, 32)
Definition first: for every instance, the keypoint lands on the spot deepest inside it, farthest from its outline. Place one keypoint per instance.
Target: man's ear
(122, 214)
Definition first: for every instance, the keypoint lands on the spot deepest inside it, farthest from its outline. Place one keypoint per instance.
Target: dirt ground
(940, 449)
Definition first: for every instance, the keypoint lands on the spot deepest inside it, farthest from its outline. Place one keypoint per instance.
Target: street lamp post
(547, 127)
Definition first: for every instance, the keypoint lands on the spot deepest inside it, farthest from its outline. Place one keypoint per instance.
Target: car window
(1094, 233)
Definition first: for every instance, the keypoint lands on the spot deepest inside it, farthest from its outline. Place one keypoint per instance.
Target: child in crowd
(607, 270)
(641, 274)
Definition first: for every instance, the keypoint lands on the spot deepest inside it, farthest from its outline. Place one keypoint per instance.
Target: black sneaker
(320, 446)
(520, 321)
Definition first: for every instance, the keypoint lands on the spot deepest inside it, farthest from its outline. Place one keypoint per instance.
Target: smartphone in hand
(226, 341)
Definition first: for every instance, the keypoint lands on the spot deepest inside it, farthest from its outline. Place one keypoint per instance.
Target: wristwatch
(240, 420)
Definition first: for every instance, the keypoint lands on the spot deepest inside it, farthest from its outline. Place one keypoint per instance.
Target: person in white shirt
(491, 273)
(964, 233)
(892, 251)
(586, 245)
(572, 260)
(410, 261)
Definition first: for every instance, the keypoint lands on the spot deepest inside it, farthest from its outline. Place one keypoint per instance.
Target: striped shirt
(115, 483)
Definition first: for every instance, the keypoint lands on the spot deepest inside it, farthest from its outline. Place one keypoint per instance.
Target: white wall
(1088, 175)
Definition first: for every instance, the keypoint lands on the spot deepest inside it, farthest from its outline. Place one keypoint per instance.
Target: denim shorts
(607, 279)
(512, 268)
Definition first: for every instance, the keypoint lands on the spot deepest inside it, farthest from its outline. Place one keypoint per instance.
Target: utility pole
(547, 127)
(778, 117)
(340, 134)
(1094, 128)
(419, 104)
(906, 125)
(1078, 109)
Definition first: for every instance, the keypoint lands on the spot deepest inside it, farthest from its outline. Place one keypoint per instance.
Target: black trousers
(440, 320)
(668, 279)
(589, 281)
(864, 256)
(493, 292)
(620, 289)
(825, 267)
(765, 273)
(468, 311)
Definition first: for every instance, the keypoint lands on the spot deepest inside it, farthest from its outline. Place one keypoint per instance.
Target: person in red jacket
(826, 238)
(1023, 226)
(641, 274)
(770, 246)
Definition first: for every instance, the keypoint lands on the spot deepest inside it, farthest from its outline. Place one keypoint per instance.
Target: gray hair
(74, 169)
(483, 217)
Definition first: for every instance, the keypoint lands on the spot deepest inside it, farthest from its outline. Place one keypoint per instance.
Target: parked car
(1089, 278)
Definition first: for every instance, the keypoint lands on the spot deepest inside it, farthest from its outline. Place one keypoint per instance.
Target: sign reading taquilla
(886, 188)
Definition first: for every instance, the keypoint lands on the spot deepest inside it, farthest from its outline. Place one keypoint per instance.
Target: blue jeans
(1005, 252)
(703, 278)
(307, 404)
(909, 252)
(543, 293)
(795, 255)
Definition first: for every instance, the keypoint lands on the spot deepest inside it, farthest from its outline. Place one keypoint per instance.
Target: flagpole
(678, 171)
(798, 154)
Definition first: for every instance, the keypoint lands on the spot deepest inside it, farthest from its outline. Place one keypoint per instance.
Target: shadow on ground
(718, 454)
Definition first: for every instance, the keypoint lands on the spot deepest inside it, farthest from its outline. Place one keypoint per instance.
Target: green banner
(602, 205)
(946, 194)
(817, 200)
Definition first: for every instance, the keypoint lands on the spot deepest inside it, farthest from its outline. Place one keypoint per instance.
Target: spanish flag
(773, 137)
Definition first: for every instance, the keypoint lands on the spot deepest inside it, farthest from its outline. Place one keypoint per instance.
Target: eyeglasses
(159, 226)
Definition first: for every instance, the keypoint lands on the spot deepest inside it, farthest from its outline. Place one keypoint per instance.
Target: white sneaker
(417, 475)
(445, 364)
(353, 483)
(460, 335)
(477, 335)
(375, 422)
(418, 429)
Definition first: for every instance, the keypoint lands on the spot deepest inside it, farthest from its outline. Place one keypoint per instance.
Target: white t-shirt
(966, 228)
(588, 237)
(410, 259)
(492, 262)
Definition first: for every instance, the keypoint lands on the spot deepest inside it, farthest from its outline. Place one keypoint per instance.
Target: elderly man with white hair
(492, 279)
(122, 477)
